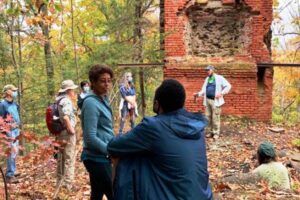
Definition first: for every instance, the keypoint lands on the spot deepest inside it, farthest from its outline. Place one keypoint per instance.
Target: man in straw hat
(67, 114)
(9, 111)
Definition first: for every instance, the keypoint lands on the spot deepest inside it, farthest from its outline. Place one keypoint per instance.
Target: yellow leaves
(275, 3)
(36, 20)
(295, 40)
(49, 19)
(286, 78)
(276, 16)
(296, 21)
(33, 21)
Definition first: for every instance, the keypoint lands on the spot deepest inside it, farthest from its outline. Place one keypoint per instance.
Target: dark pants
(100, 179)
(124, 112)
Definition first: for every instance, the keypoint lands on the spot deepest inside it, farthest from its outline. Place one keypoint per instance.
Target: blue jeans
(11, 159)
(124, 112)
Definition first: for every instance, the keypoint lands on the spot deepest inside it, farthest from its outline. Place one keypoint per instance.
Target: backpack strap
(59, 107)
(59, 100)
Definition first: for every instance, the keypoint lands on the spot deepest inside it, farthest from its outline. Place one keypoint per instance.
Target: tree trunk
(74, 42)
(138, 51)
(61, 43)
(47, 50)
(17, 64)
(20, 82)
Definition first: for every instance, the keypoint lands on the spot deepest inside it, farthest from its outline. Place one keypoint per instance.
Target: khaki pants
(213, 113)
(66, 159)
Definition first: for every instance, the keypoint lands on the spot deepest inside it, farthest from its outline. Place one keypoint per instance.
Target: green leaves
(58, 7)
(13, 11)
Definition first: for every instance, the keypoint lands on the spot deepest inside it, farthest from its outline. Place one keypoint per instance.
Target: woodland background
(43, 42)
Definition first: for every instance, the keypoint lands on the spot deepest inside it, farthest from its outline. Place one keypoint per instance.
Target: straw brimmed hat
(67, 85)
(9, 87)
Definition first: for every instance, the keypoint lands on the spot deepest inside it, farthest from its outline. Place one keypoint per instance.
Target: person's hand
(71, 131)
(219, 95)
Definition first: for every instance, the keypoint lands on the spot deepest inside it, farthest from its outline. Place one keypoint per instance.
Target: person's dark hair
(170, 95)
(83, 83)
(266, 153)
(97, 70)
(262, 159)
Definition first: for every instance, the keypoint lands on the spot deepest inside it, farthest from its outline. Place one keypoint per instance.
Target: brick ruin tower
(232, 35)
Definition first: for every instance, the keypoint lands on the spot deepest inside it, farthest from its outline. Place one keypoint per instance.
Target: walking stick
(5, 184)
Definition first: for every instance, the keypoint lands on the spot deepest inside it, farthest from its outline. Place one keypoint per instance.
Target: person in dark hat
(214, 88)
(269, 169)
(9, 111)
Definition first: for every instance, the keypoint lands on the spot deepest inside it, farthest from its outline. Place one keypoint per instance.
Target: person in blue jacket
(97, 126)
(164, 157)
(10, 113)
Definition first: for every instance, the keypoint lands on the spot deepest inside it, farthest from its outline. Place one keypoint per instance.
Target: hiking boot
(12, 180)
(17, 174)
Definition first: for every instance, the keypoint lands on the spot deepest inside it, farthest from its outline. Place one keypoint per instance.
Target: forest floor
(232, 154)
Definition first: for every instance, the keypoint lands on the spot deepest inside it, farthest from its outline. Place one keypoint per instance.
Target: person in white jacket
(214, 88)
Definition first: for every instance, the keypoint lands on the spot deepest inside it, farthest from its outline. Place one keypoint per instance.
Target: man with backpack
(67, 115)
(9, 111)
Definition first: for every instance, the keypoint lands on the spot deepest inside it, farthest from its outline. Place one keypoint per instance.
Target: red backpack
(54, 124)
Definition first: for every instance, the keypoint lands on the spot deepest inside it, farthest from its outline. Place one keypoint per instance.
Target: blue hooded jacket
(97, 126)
(163, 158)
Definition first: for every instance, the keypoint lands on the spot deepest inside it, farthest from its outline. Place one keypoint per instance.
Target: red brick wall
(245, 98)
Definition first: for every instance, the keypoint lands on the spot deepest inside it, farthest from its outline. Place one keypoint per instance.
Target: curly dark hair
(170, 95)
(97, 70)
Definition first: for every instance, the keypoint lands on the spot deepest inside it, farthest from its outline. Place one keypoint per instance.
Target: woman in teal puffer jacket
(97, 125)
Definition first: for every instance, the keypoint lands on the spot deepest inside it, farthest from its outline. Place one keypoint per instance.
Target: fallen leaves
(232, 154)
(242, 139)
